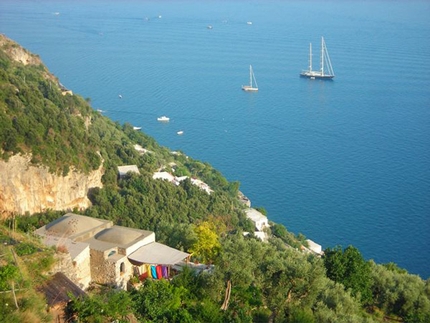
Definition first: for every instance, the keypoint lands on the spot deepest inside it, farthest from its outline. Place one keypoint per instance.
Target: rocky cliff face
(26, 188)
(18, 53)
(23, 56)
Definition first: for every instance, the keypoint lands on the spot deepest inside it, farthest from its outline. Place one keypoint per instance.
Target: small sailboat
(252, 82)
(326, 70)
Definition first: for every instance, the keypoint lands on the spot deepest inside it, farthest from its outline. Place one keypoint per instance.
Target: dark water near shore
(344, 162)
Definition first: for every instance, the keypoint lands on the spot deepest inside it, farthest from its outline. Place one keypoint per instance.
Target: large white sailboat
(252, 82)
(326, 70)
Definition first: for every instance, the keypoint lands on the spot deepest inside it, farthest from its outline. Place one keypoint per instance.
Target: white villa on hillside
(165, 176)
(177, 180)
(123, 170)
(140, 149)
(260, 221)
(258, 218)
(97, 251)
(314, 247)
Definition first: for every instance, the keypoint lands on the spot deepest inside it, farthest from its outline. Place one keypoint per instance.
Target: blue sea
(345, 162)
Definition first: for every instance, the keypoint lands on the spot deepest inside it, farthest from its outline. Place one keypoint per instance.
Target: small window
(122, 268)
(111, 253)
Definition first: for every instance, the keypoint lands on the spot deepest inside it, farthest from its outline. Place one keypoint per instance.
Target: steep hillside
(44, 133)
(54, 148)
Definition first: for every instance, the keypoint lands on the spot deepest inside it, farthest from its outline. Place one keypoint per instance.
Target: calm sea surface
(345, 162)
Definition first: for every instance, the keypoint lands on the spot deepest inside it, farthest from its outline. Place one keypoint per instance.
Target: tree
(160, 301)
(334, 304)
(349, 268)
(280, 231)
(400, 293)
(110, 306)
(291, 279)
(207, 245)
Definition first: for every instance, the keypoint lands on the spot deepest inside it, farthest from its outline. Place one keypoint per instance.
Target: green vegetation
(36, 118)
(207, 245)
(23, 264)
(350, 269)
(252, 281)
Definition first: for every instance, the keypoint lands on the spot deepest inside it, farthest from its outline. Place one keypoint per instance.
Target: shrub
(24, 249)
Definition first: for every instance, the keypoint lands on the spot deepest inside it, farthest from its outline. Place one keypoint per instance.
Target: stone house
(97, 251)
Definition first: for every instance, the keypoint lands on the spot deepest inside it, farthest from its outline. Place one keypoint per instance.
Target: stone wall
(77, 270)
(102, 271)
(123, 274)
(113, 270)
(82, 267)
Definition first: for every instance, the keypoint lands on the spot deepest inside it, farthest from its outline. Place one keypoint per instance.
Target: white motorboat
(163, 119)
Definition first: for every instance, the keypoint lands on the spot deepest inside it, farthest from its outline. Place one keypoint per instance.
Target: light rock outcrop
(25, 57)
(17, 52)
(27, 188)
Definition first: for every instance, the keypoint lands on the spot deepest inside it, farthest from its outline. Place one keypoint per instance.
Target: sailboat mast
(250, 75)
(322, 56)
(325, 71)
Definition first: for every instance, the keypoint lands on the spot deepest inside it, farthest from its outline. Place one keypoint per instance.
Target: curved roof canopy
(157, 253)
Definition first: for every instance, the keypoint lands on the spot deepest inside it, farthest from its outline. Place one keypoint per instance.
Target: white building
(164, 176)
(105, 253)
(140, 149)
(177, 180)
(314, 247)
(258, 218)
(123, 170)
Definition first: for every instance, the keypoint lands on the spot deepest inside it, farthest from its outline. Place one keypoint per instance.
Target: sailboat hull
(316, 75)
(249, 88)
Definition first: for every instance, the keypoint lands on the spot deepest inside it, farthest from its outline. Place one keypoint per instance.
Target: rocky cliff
(27, 134)
(26, 188)
(18, 53)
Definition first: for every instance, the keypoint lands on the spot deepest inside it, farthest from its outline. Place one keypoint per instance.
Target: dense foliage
(36, 118)
(349, 268)
(251, 280)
